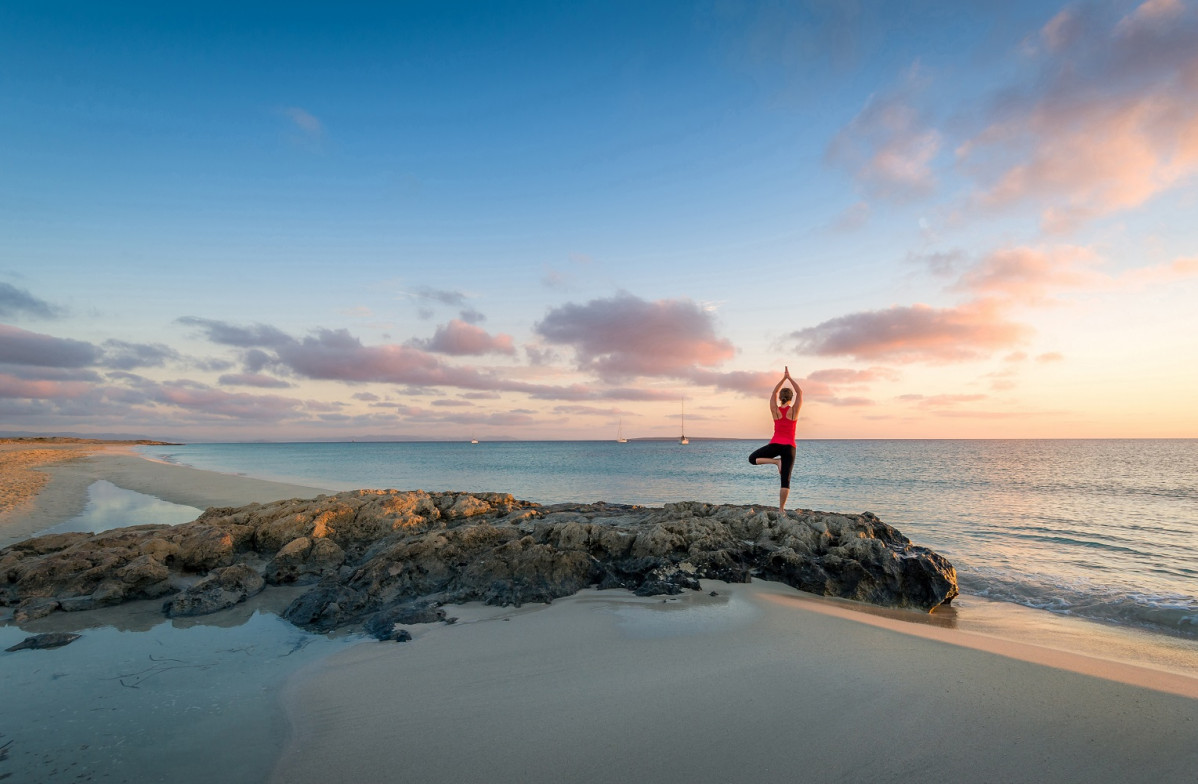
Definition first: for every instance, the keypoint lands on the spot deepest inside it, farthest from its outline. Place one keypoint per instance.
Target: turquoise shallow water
(1101, 529)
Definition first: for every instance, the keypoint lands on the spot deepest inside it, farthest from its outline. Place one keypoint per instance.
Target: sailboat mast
(683, 439)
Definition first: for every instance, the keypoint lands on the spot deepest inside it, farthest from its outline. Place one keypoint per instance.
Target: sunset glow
(547, 221)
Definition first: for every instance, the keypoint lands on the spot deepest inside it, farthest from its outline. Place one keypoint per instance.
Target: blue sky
(538, 219)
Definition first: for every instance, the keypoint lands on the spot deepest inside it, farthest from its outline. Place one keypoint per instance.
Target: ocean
(1104, 530)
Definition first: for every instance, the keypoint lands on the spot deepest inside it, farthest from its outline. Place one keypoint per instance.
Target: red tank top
(784, 427)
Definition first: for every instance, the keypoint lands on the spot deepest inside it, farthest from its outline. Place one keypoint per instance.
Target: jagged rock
(221, 589)
(328, 606)
(42, 641)
(304, 560)
(383, 625)
(32, 609)
(370, 551)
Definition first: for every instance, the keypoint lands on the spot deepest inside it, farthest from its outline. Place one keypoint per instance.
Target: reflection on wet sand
(137, 697)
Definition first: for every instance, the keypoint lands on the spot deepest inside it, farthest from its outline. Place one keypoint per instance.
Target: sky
(543, 220)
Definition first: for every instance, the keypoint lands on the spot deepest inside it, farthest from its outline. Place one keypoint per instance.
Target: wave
(1170, 613)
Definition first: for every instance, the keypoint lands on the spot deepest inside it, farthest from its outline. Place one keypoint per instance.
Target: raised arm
(793, 413)
(774, 412)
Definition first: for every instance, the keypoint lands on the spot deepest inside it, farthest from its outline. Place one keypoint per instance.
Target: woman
(780, 451)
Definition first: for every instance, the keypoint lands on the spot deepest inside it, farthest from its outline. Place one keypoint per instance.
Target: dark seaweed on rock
(371, 553)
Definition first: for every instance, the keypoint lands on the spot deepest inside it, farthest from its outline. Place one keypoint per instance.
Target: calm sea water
(1101, 529)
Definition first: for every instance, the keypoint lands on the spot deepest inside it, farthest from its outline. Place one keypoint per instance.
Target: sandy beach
(41, 486)
(757, 682)
(750, 685)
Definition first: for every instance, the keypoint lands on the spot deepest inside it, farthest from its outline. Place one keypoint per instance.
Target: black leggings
(784, 451)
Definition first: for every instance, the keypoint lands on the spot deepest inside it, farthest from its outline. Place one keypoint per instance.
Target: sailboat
(684, 440)
(620, 439)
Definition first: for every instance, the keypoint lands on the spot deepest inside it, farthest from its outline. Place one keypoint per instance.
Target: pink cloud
(848, 401)
(1051, 356)
(627, 336)
(198, 397)
(13, 387)
(460, 338)
(1180, 269)
(1150, 14)
(941, 401)
(745, 382)
(1028, 274)
(589, 411)
(890, 145)
(849, 376)
(916, 333)
(1110, 121)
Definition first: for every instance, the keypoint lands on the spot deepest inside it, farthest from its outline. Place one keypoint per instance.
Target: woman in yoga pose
(780, 451)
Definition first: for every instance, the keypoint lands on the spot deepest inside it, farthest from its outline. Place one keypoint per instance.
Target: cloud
(1001, 281)
(1028, 274)
(1150, 15)
(849, 376)
(1051, 356)
(941, 401)
(915, 333)
(943, 264)
(847, 401)
(254, 336)
(17, 302)
(193, 396)
(472, 316)
(458, 338)
(626, 336)
(443, 296)
(14, 387)
(253, 380)
(589, 411)
(852, 218)
(742, 381)
(1180, 269)
(20, 347)
(890, 145)
(121, 355)
(337, 355)
(1108, 119)
(308, 124)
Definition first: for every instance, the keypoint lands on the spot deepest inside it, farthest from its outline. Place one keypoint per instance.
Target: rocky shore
(381, 558)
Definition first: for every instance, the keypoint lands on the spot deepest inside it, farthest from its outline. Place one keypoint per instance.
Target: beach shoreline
(740, 666)
(49, 484)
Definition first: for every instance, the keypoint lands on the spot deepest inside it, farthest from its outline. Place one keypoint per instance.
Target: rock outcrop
(370, 554)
